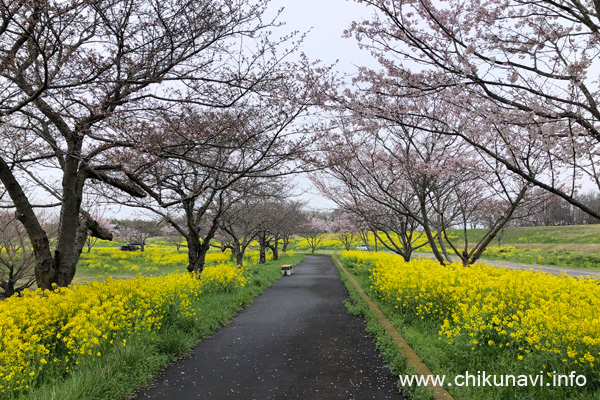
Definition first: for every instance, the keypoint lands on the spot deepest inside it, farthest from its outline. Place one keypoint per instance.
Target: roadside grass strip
(413, 364)
(102, 339)
(490, 321)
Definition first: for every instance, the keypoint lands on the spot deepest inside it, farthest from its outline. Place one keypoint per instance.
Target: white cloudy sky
(325, 22)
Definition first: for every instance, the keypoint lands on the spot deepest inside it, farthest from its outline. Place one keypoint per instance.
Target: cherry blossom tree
(255, 212)
(401, 179)
(398, 232)
(516, 80)
(77, 75)
(314, 231)
(344, 229)
(279, 221)
(210, 158)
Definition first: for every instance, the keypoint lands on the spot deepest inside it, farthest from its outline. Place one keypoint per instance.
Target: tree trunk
(69, 244)
(236, 249)
(45, 269)
(286, 241)
(9, 285)
(444, 250)
(275, 249)
(375, 239)
(427, 229)
(197, 258)
(239, 259)
(193, 252)
(262, 241)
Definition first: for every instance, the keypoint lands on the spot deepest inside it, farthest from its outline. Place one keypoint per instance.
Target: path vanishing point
(295, 341)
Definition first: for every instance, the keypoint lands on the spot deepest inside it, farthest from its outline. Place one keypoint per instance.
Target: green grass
(124, 368)
(159, 258)
(560, 235)
(453, 358)
(557, 258)
(390, 353)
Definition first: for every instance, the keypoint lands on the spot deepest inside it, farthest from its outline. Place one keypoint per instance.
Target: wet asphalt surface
(295, 341)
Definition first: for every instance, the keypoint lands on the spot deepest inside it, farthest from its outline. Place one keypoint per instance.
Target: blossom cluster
(528, 311)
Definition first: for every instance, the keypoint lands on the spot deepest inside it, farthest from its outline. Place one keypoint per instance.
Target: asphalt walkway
(296, 341)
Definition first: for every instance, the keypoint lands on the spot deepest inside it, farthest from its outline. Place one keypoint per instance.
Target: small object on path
(296, 340)
(287, 269)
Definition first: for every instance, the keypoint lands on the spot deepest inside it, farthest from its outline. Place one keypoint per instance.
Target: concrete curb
(412, 358)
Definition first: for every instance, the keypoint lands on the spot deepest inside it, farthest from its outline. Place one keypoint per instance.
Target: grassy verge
(454, 358)
(558, 258)
(392, 355)
(121, 369)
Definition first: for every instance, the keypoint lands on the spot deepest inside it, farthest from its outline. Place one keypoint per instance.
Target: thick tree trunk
(9, 285)
(197, 258)
(239, 259)
(262, 242)
(193, 252)
(238, 253)
(69, 244)
(275, 249)
(45, 269)
(407, 254)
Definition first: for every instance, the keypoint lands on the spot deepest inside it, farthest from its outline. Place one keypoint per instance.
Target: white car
(362, 247)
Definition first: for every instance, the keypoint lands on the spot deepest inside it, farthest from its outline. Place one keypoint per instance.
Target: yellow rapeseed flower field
(222, 277)
(527, 311)
(112, 261)
(69, 326)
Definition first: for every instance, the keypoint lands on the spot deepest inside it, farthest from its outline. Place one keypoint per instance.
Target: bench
(287, 269)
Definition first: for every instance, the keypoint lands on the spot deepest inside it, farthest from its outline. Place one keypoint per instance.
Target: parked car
(362, 247)
(129, 247)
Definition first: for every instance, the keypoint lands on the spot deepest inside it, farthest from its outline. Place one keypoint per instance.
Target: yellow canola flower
(66, 326)
(529, 310)
(221, 278)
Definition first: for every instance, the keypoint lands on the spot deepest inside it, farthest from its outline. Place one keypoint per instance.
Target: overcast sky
(326, 20)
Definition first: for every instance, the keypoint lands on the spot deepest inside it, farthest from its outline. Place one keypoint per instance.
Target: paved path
(297, 341)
